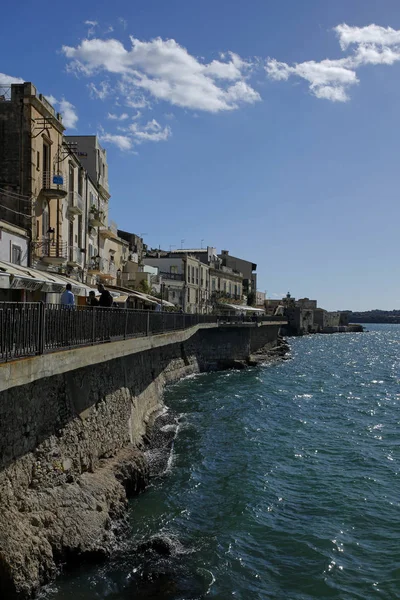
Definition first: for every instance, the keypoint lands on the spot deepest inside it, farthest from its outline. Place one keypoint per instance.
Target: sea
(283, 483)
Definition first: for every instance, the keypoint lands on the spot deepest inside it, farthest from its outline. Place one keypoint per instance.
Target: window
(197, 275)
(230, 288)
(235, 290)
(173, 269)
(192, 274)
(213, 284)
(188, 295)
(38, 160)
(225, 287)
(16, 254)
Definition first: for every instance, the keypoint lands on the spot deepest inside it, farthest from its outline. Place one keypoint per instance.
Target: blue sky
(266, 128)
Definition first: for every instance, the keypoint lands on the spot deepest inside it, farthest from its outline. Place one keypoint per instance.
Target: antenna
(201, 243)
(182, 242)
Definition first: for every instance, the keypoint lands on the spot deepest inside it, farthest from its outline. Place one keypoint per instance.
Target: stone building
(31, 168)
(247, 268)
(224, 282)
(184, 280)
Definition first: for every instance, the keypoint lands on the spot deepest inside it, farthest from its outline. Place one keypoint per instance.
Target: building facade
(14, 244)
(247, 268)
(183, 280)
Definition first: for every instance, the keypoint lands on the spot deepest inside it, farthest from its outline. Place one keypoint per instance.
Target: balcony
(53, 185)
(52, 252)
(75, 257)
(97, 217)
(105, 269)
(172, 276)
(109, 270)
(110, 232)
(75, 203)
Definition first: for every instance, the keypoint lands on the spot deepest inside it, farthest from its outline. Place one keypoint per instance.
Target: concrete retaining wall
(59, 432)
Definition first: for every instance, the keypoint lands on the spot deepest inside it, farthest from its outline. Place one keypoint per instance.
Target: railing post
(126, 323)
(42, 328)
(93, 324)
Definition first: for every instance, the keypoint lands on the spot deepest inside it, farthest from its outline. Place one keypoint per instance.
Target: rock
(157, 544)
(69, 521)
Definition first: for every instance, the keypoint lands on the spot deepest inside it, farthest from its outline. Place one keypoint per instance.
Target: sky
(266, 128)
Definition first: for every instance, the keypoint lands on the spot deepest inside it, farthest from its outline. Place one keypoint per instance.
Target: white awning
(240, 308)
(31, 279)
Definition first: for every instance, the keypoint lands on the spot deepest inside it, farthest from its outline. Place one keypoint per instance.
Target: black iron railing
(28, 329)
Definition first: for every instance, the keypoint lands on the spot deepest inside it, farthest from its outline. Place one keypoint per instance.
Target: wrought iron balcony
(53, 252)
(53, 185)
(110, 232)
(75, 203)
(75, 257)
(97, 217)
(172, 276)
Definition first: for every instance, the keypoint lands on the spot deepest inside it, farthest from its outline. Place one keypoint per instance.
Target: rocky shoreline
(57, 516)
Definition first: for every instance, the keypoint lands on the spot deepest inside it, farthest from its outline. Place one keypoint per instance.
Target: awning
(240, 308)
(21, 278)
(27, 278)
(147, 298)
(121, 299)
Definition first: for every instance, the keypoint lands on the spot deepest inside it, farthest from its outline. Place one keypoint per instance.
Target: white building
(14, 244)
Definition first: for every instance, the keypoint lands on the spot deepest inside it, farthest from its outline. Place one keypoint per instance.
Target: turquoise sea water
(284, 484)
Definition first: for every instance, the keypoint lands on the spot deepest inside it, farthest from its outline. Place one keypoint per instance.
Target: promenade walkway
(30, 329)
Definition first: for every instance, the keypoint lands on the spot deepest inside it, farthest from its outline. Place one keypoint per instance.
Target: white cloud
(135, 134)
(371, 34)
(331, 79)
(328, 79)
(114, 117)
(91, 27)
(122, 142)
(100, 91)
(9, 79)
(164, 70)
(68, 111)
(151, 132)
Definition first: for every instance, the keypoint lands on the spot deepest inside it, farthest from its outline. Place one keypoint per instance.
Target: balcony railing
(75, 203)
(104, 268)
(52, 251)
(75, 257)
(97, 217)
(172, 276)
(53, 185)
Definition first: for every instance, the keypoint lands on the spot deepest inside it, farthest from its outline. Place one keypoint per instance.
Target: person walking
(67, 297)
(105, 300)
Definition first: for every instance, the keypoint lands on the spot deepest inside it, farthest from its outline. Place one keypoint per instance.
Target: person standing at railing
(67, 297)
(92, 300)
(106, 300)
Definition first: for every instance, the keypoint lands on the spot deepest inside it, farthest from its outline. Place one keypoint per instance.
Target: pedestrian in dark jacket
(92, 300)
(105, 300)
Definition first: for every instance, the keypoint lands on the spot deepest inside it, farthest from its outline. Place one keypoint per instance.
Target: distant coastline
(375, 316)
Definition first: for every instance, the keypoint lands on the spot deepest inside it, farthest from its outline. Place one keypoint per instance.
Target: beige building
(184, 280)
(32, 169)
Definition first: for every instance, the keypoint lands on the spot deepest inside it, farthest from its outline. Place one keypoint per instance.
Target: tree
(144, 287)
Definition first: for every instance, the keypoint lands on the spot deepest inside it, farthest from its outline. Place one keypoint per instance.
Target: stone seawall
(70, 443)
